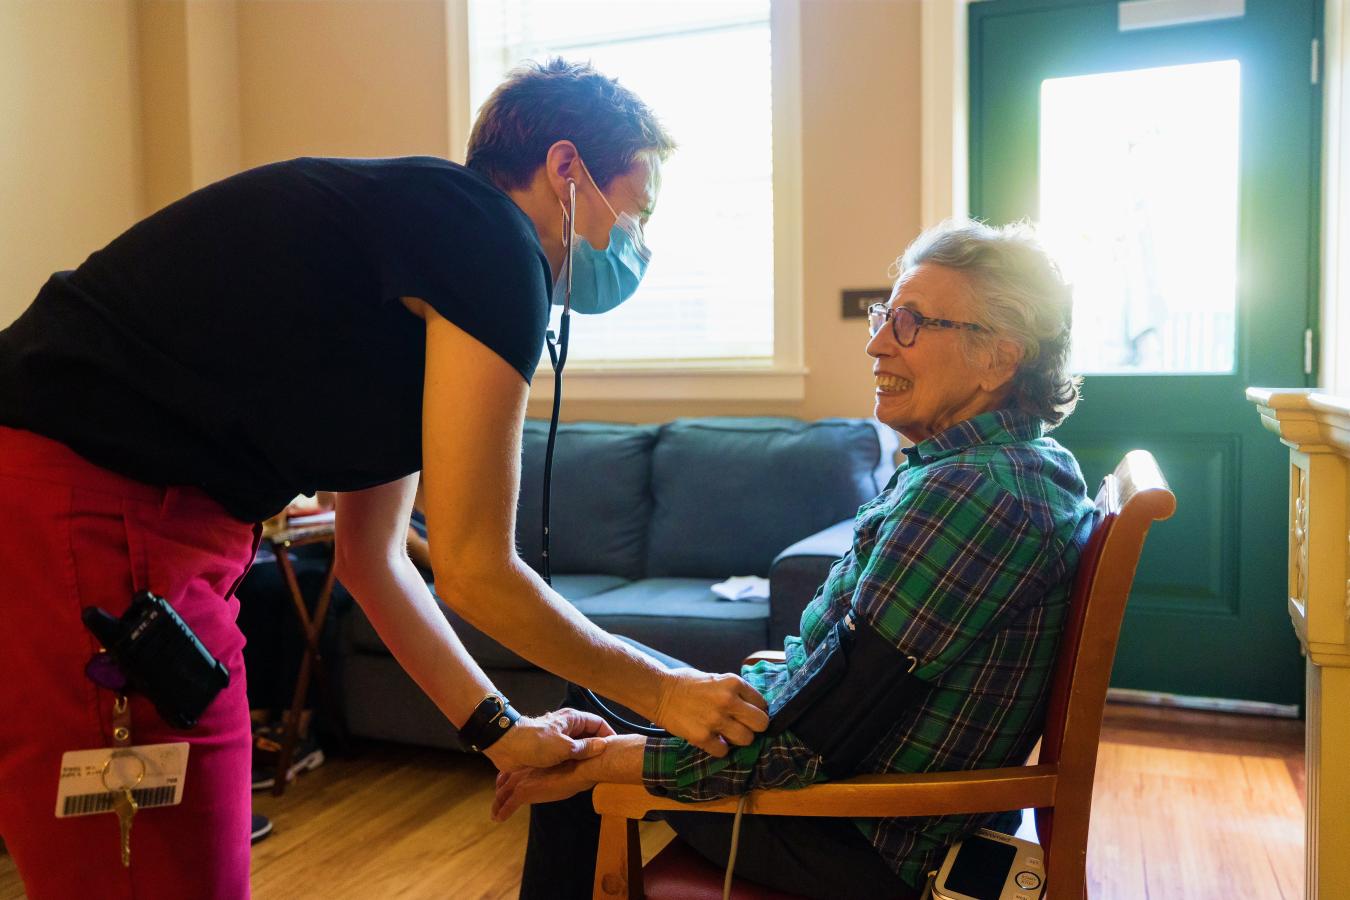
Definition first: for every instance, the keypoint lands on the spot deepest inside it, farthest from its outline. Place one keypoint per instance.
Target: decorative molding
(1298, 617)
(1298, 537)
(1304, 418)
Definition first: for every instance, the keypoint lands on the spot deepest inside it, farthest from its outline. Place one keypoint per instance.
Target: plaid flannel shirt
(965, 562)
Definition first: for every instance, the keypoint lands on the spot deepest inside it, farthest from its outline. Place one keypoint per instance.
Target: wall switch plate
(857, 301)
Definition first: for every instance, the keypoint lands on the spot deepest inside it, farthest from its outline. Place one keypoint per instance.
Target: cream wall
(70, 166)
(212, 86)
(189, 89)
(342, 78)
(162, 52)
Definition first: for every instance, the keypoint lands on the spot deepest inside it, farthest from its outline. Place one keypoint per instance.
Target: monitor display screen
(981, 868)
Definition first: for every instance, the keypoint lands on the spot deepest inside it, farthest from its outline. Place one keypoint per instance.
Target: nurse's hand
(543, 741)
(711, 711)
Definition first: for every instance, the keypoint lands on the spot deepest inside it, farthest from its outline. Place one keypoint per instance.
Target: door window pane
(1139, 199)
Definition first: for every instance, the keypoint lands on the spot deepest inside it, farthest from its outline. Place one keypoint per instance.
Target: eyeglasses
(905, 323)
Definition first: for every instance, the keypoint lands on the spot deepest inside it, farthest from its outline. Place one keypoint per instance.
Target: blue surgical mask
(602, 279)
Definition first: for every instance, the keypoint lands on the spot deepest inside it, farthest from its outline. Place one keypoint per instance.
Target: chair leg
(618, 862)
(1067, 879)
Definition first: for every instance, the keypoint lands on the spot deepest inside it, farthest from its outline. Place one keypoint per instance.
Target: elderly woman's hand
(543, 741)
(524, 787)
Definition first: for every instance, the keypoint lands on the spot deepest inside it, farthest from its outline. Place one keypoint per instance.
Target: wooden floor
(1195, 806)
(1188, 805)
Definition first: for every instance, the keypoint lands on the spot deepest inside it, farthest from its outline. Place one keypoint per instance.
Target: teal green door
(1173, 169)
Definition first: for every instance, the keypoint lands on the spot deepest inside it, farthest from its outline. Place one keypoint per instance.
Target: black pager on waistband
(160, 657)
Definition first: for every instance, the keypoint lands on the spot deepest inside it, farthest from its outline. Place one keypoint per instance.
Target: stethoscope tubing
(557, 353)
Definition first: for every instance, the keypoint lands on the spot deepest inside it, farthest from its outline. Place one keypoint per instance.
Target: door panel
(1203, 472)
(1194, 268)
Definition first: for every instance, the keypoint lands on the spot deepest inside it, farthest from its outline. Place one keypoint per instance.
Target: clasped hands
(547, 760)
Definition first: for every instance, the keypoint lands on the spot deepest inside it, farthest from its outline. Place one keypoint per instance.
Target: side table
(282, 539)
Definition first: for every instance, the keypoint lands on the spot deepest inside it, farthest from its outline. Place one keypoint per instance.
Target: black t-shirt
(249, 338)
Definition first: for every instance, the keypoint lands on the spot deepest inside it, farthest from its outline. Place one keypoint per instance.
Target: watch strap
(490, 719)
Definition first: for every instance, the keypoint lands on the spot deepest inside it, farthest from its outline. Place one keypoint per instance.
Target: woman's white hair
(1021, 296)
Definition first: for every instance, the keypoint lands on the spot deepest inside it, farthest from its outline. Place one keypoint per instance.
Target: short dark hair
(541, 104)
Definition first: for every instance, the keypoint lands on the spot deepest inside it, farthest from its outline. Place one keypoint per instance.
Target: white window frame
(784, 376)
(945, 111)
(1334, 370)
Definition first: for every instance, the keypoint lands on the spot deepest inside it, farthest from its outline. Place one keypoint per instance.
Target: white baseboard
(1209, 704)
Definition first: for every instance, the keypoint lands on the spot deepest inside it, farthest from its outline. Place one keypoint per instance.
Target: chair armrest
(866, 796)
(798, 572)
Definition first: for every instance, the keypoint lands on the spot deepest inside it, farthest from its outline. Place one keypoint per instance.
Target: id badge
(154, 773)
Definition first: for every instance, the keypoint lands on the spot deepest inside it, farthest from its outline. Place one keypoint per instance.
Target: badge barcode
(82, 804)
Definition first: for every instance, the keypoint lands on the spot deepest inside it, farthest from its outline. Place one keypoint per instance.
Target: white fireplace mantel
(1316, 428)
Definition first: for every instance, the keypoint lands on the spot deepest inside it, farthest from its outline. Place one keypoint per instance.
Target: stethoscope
(557, 354)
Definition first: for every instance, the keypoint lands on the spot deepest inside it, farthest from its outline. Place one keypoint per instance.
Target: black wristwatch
(490, 719)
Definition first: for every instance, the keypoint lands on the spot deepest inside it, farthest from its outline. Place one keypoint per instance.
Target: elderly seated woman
(960, 573)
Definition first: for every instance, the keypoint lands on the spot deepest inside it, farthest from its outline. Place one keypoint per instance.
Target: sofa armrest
(798, 572)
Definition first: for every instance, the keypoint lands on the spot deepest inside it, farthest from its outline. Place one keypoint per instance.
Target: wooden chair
(1058, 786)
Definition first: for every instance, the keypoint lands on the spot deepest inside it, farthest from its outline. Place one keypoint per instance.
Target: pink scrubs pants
(72, 535)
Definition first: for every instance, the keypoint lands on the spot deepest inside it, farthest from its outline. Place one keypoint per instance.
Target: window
(722, 295)
(1139, 203)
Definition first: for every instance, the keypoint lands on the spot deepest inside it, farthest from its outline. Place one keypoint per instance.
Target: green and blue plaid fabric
(965, 562)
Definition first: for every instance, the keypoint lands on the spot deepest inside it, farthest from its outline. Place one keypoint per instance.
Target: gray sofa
(645, 519)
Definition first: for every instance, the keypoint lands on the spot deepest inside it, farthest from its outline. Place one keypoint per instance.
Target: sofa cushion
(731, 493)
(798, 572)
(488, 652)
(601, 502)
(382, 701)
(682, 617)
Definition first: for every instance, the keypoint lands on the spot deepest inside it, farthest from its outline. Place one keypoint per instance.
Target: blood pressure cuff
(847, 697)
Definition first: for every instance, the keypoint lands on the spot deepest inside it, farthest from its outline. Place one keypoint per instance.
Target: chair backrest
(1129, 501)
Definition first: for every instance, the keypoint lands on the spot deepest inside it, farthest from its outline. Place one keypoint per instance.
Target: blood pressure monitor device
(990, 865)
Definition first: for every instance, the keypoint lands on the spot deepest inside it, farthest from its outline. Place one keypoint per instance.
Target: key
(125, 807)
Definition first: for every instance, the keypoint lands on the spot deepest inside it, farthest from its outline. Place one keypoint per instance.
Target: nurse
(317, 324)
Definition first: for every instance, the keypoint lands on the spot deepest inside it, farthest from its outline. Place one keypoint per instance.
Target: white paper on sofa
(742, 587)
